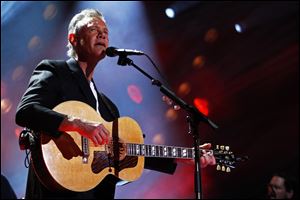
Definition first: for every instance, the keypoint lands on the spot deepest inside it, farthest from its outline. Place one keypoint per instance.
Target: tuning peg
(222, 147)
(167, 100)
(227, 148)
(217, 146)
(176, 107)
(218, 167)
(228, 169)
(170, 102)
(223, 168)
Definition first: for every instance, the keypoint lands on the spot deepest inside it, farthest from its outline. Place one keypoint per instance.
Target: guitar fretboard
(159, 151)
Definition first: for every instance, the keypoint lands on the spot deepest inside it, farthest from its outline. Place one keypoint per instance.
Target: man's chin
(101, 56)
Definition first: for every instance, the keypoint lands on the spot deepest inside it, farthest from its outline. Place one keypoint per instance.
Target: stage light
(50, 12)
(178, 7)
(170, 12)
(18, 131)
(18, 73)
(184, 89)
(171, 114)
(202, 105)
(6, 105)
(239, 28)
(211, 35)
(135, 93)
(198, 62)
(158, 139)
(34, 43)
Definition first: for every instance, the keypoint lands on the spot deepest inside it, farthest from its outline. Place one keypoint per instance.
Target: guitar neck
(161, 151)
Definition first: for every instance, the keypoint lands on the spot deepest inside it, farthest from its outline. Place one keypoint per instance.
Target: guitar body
(58, 169)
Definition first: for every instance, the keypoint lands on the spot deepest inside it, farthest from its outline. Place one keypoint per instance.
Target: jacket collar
(82, 81)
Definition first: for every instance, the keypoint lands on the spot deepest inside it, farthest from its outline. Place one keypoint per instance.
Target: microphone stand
(193, 118)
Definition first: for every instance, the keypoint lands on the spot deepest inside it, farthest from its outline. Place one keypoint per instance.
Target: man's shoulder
(52, 62)
(51, 65)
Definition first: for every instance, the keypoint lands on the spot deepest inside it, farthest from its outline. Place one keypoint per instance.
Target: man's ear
(72, 39)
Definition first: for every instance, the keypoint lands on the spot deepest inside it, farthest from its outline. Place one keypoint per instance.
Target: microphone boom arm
(194, 117)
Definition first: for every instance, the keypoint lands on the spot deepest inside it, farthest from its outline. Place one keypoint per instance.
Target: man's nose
(101, 34)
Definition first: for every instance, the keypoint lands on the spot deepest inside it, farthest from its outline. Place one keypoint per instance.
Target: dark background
(250, 79)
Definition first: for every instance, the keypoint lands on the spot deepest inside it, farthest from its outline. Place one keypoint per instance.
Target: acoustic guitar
(80, 166)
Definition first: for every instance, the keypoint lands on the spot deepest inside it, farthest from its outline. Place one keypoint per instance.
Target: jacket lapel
(82, 82)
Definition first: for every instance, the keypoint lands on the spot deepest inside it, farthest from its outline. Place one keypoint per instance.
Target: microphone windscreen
(110, 51)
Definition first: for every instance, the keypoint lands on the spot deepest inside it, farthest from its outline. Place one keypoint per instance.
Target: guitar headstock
(225, 159)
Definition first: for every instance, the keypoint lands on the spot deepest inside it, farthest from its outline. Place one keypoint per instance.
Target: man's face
(92, 40)
(276, 188)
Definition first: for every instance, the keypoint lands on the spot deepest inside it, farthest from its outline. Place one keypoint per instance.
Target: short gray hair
(77, 22)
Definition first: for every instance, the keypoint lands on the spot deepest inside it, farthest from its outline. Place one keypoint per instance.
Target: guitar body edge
(59, 170)
(42, 172)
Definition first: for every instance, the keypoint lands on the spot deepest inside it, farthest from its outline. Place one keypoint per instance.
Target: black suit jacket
(52, 83)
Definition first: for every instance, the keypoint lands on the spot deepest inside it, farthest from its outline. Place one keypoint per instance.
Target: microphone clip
(123, 60)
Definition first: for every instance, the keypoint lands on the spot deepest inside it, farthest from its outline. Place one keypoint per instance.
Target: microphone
(113, 51)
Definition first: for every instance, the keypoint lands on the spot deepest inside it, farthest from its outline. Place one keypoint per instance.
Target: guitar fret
(138, 152)
(184, 153)
(169, 151)
(179, 154)
(131, 149)
(158, 150)
(165, 153)
(128, 149)
(152, 150)
(147, 151)
(174, 152)
(140, 147)
(143, 149)
(189, 153)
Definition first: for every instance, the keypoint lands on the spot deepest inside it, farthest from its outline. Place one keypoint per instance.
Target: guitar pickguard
(102, 160)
